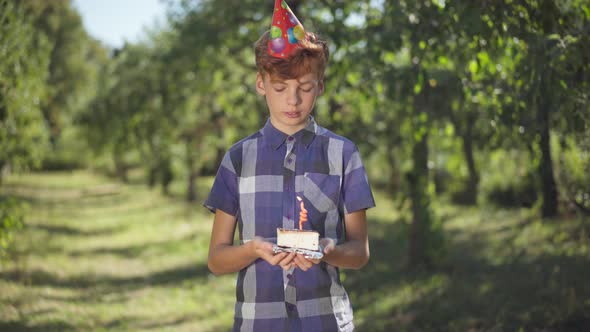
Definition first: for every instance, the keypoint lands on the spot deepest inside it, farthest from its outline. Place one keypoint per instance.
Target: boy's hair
(311, 56)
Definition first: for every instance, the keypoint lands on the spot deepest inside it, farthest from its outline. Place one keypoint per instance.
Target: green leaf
(563, 84)
(417, 88)
(439, 3)
(484, 58)
(473, 67)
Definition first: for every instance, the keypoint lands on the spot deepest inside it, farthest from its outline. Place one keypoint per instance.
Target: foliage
(23, 71)
(508, 179)
(572, 172)
(72, 62)
(11, 220)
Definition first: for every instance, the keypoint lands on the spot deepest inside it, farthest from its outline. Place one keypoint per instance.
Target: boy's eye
(279, 88)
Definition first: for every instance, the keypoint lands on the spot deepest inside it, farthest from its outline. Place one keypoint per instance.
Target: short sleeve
(356, 191)
(224, 192)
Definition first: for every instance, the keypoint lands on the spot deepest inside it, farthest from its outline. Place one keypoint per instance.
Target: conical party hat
(285, 31)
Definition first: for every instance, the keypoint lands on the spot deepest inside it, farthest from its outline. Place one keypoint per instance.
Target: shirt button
(289, 160)
(291, 138)
(289, 276)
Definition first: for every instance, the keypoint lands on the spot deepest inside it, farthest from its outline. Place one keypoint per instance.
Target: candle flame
(302, 214)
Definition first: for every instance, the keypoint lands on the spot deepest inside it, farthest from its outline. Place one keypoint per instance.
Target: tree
(554, 38)
(23, 71)
(72, 69)
(23, 136)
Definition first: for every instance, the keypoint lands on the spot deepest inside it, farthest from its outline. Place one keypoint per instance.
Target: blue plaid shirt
(258, 181)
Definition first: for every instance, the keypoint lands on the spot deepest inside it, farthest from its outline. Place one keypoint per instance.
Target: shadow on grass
(175, 275)
(138, 250)
(72, 231)
(101, 191)
(134, 323)
(471, 293)
(140, 324)
(22, 326)
(77, 200)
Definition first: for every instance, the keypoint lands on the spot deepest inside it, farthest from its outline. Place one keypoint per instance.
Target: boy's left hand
(305, 263)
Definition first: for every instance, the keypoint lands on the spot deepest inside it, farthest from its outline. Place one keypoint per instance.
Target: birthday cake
(301, 241)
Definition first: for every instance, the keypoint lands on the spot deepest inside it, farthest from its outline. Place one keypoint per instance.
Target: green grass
(97, 255)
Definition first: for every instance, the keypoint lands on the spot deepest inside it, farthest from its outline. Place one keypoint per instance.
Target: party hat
(285, 32)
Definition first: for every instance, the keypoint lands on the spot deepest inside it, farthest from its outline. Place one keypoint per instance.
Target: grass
(100, 256)
(97, 255)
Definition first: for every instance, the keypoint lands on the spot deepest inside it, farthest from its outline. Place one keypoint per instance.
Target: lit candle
(302, 213)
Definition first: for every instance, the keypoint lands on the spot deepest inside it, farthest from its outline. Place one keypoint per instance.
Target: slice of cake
(299, 239)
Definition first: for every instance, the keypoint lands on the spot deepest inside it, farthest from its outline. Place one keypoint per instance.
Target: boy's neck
(289, 130)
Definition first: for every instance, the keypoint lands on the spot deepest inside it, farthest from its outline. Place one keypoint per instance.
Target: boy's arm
(352, 254)
(224, 257)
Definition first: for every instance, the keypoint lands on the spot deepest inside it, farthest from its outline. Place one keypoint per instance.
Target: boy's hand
(328, 244)
(263, 249)
(306, 263)
(287, 263)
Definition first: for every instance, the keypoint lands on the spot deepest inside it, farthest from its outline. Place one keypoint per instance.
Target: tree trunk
(4, 170)
(120, 167)
(152, 176)
(394, 179)
(167, 175)
(191, 190)
(549, 188)
(544, 106)
(473, 182)
(418, 183)
(121, 170)
(154, 158)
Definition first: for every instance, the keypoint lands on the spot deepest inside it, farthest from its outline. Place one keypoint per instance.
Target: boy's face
(289, 101)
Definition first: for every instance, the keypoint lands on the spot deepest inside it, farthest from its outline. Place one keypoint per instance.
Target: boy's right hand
(263, 249)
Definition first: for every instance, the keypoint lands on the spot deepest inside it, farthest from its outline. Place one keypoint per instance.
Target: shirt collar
(276, 138)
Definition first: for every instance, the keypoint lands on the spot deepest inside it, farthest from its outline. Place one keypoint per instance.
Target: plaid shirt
(258, 181)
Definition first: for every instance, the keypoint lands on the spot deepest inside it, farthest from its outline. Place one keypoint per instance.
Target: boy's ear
(321, 87)
(260, 84)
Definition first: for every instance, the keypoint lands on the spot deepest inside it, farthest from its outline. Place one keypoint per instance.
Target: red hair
(311, 56)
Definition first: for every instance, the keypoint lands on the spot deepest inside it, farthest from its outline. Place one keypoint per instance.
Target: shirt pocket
(322, 190)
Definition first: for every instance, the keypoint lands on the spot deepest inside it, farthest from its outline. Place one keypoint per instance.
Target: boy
(257, 186)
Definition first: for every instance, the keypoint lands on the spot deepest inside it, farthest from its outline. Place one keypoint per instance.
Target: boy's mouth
(292, 114)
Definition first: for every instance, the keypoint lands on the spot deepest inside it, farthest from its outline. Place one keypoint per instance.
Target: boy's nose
(293, 98)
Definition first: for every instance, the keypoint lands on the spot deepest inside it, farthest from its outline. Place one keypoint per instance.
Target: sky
(114, 21)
